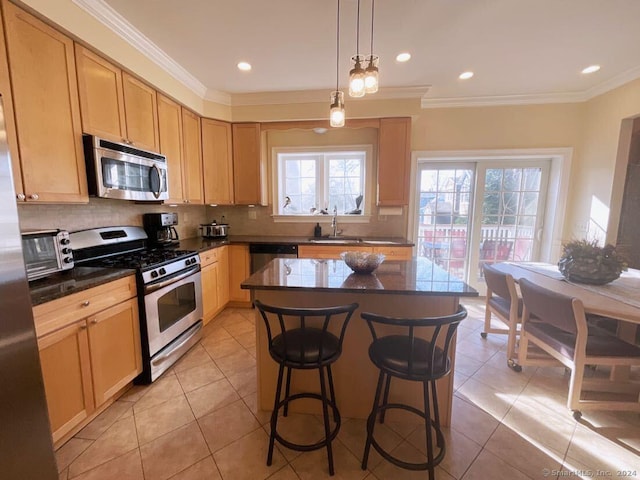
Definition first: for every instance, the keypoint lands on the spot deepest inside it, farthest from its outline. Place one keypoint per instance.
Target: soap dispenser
(317, 230)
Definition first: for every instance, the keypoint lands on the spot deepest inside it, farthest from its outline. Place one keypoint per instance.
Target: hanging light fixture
(336, 111)
(356, 75)
(371, 72)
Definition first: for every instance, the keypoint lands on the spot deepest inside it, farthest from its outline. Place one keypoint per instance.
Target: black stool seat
(299, 338)
(412, 358)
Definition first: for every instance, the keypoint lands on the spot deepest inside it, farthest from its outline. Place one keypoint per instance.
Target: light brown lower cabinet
(89, 353)
(215, 281)
(239, 270)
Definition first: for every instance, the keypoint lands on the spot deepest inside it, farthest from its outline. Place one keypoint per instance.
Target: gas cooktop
(143, 259)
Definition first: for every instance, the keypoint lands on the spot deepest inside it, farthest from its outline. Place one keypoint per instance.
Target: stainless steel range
(169, 290)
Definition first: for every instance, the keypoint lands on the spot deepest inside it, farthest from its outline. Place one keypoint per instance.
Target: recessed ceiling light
(244, 66)
(403, 57)
(591, 69)
(465, 75)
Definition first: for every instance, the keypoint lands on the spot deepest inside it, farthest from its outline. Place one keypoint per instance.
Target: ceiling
(521, 51)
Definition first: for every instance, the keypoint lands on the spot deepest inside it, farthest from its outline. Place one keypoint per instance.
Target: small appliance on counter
(215, 229)
(160, 228)
(46, 252)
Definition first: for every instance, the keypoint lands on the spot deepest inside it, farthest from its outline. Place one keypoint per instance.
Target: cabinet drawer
(57, 314)
(209, 256)
(329, 251)
(395, 253)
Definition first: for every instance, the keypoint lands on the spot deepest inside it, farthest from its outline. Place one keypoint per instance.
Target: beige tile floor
(199, 421)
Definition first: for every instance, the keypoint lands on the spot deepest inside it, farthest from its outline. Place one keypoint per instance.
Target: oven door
(172, 305)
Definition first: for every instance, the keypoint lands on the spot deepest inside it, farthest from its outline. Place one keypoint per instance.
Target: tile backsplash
(100, 212)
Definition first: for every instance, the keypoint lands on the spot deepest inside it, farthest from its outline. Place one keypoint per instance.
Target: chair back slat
(549, 306)
(496, 282)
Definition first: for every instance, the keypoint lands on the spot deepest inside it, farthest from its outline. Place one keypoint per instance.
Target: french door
(470, 214)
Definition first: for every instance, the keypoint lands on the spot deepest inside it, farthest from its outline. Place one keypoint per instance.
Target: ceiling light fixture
(371, 72)
(465, 75)
(244, 66)
(336, 111)
(591, 69)
(403, 57)
(356, 74)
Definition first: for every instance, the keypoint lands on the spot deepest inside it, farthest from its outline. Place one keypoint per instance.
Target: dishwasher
(263, 253)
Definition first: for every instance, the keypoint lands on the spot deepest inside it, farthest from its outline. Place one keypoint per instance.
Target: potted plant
(585, 261)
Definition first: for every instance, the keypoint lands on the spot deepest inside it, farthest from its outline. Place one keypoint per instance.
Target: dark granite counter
(201, 244)
(418, 276)
(72, 281)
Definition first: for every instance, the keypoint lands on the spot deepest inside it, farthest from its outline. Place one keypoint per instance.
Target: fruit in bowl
(362, 262)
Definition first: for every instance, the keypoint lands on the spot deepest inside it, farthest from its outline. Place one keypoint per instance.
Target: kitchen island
(413, 288)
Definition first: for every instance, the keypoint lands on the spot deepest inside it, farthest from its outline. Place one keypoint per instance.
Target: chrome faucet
(334, 221)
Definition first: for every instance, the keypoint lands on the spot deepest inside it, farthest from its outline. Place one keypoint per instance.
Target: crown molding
(218, 96)
(497, 100)
(319, 96)
(106, 15)
(612, 83)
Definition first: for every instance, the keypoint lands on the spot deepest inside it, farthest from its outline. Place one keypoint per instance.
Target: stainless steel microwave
(118, 170)
(46, 252)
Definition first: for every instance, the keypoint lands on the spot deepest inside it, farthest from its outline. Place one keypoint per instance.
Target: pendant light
(371, 72)
(336, 111)
(356, 75)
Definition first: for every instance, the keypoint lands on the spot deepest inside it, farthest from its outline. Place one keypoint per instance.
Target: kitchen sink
(338, 240)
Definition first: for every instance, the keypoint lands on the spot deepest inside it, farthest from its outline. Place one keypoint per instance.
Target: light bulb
(356, 78)
(336, 112)
(371, 75)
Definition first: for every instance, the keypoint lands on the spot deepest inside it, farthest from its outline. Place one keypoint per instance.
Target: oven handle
(169, 281)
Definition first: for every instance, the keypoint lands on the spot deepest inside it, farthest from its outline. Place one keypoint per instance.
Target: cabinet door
(192, 157)
(101, 96)
(141, 112)
(239, 265)
(66, 371)
(217, 162)
(114, 344)
(46, 107)
(209, 291)
(246, 163)
(9, 118)
(394, 161)
(223, 277)
(170, 131)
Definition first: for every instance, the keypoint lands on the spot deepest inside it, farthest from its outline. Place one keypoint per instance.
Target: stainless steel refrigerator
(26, 450)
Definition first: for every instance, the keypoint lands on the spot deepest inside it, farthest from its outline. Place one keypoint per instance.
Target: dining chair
(561, 330)
(503, 302)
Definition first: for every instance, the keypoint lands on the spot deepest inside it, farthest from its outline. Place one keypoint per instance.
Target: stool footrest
(396, 461)
(307, 447)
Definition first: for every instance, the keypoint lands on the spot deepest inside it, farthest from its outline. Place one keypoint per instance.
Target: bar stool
(299, 339)
(409, 357)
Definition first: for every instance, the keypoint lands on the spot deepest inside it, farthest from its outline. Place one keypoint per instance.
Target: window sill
(322, 219)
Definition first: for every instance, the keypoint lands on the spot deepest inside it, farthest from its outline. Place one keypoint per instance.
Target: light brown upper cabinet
(394, 161)
(217, 162)
(246, 164)
(192, 151)
(114, 104)
(171, 139)
(45, 107)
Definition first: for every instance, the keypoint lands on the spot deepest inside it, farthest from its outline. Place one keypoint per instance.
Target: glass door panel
(510, 221)
(445, 199)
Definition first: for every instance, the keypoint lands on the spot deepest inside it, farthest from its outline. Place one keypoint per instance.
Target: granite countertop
(72, 281)
(418, 276)
(201, 244)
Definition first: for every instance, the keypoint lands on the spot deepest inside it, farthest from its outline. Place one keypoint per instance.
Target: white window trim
(369, 186)
(557, 194)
